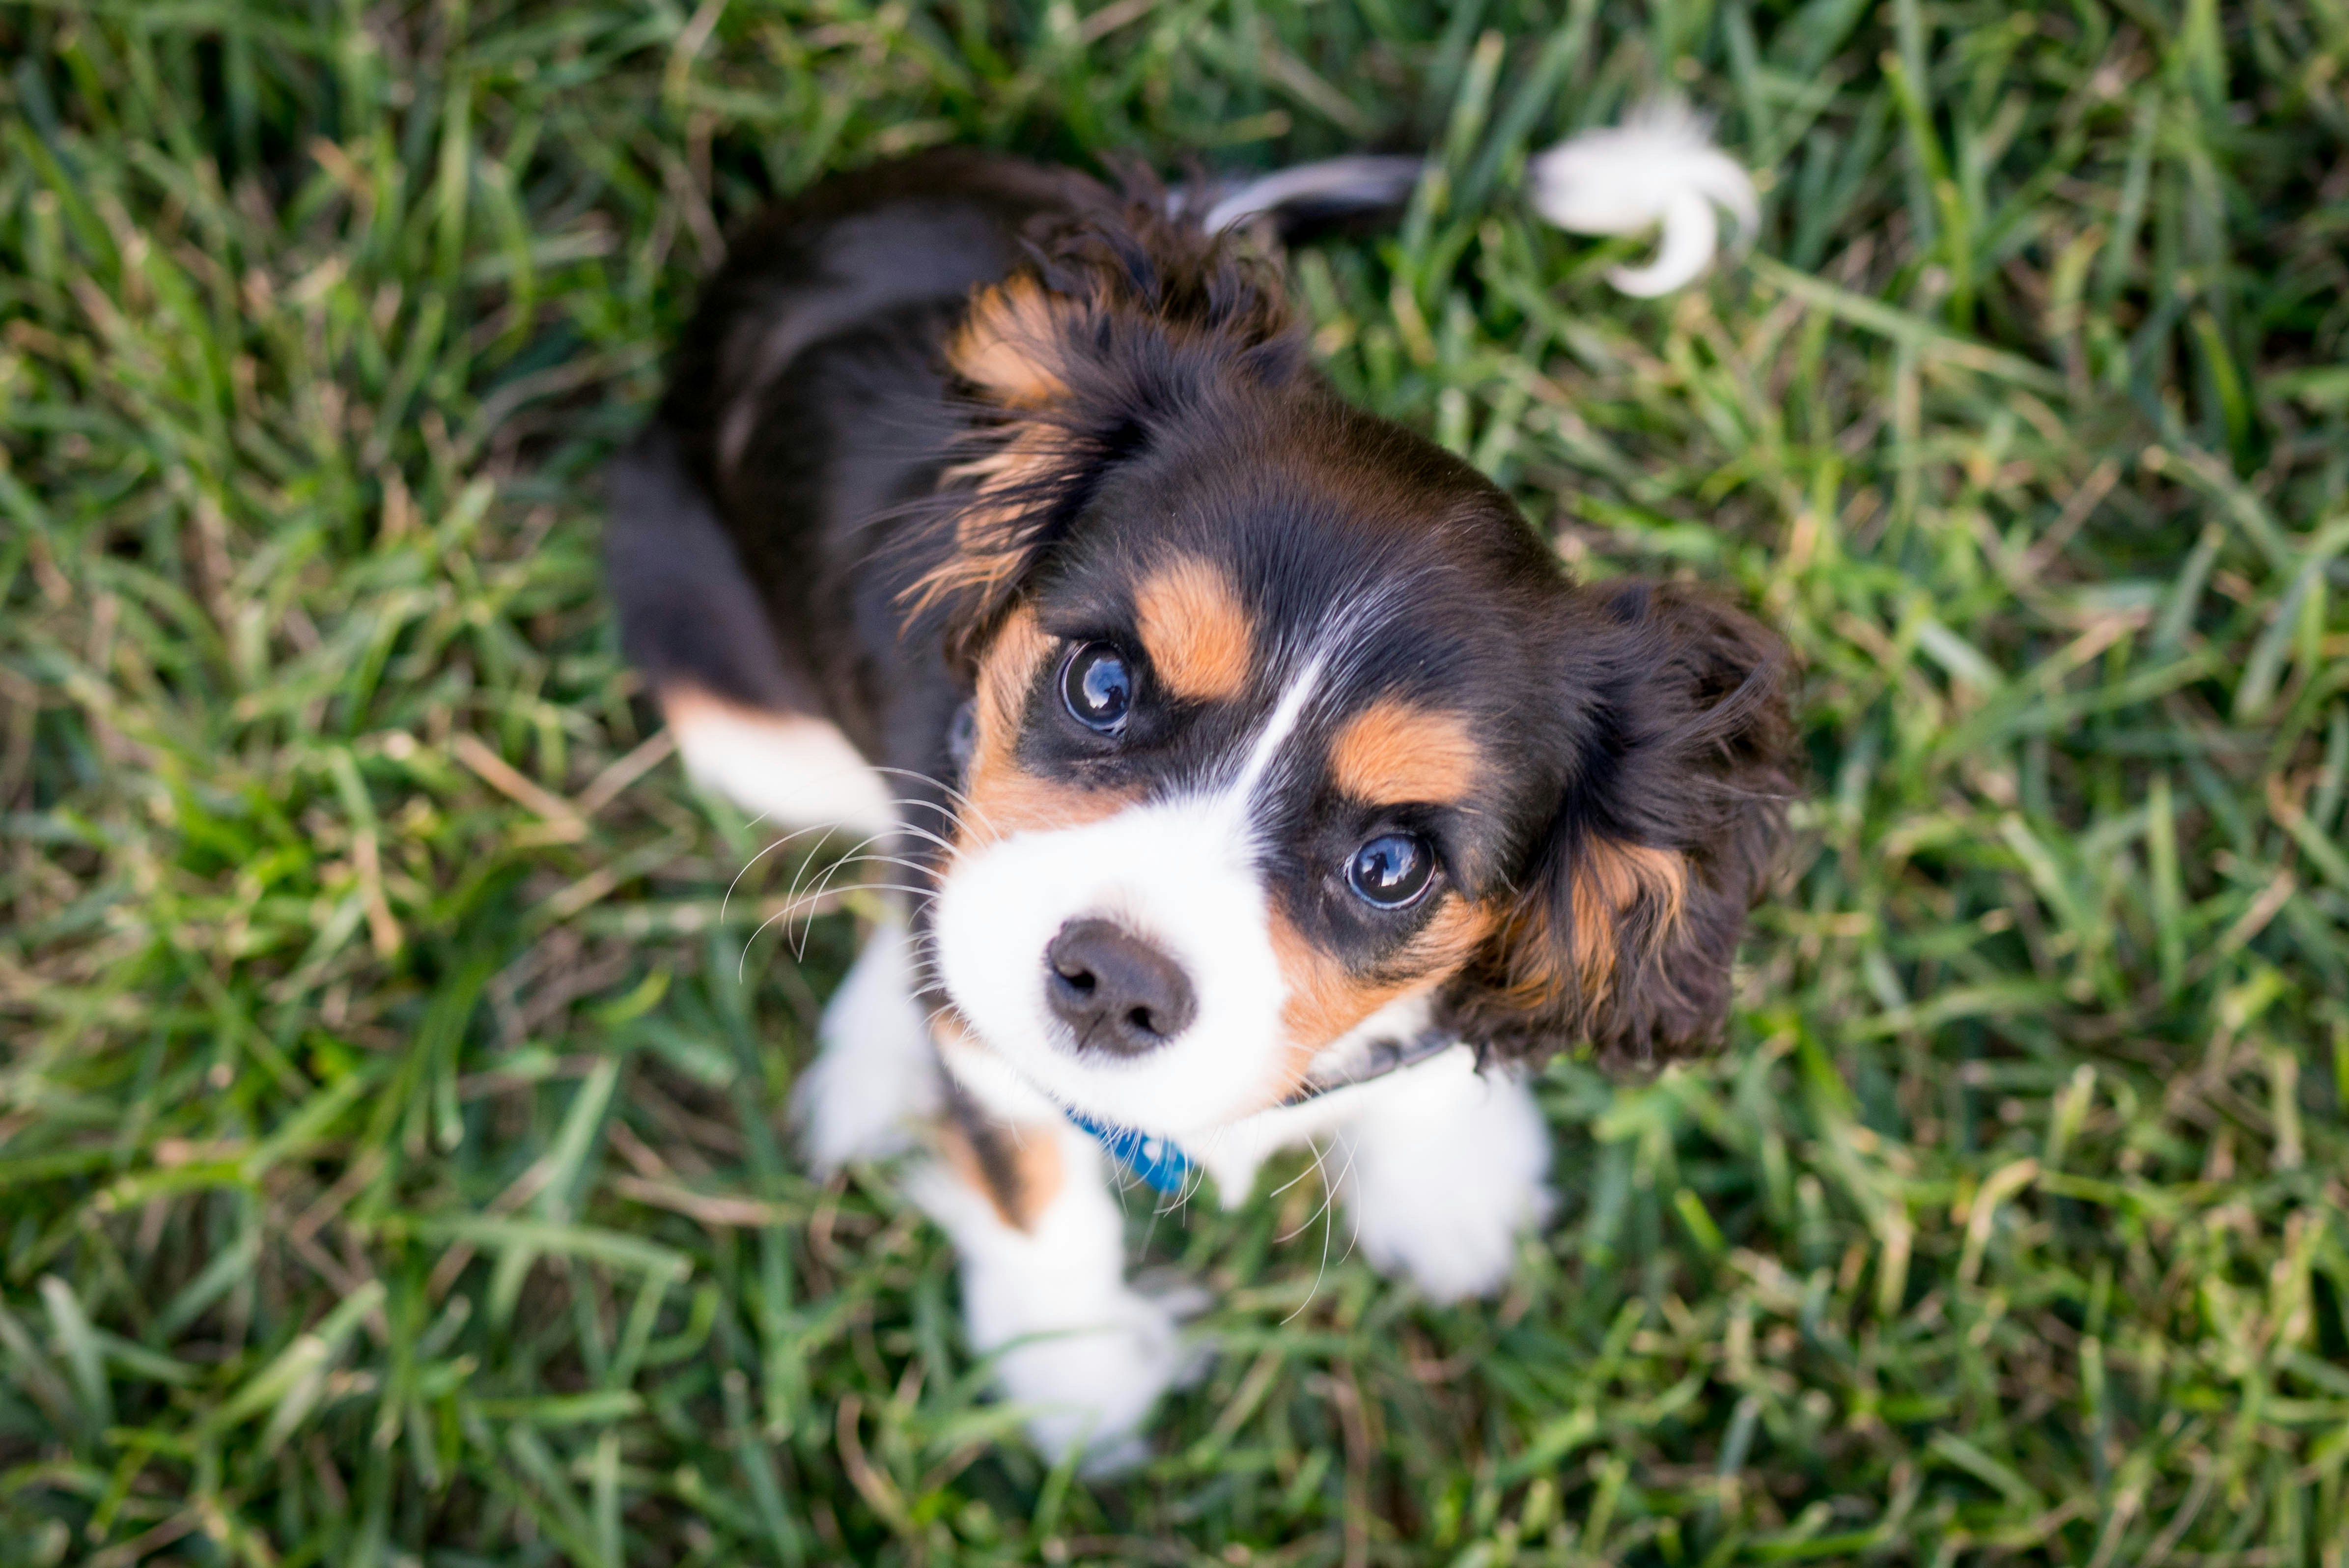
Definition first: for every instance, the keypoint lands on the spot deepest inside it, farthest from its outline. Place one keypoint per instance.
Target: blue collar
(1161, 1166)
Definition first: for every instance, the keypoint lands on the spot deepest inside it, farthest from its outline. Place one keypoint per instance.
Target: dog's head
(1287, 726)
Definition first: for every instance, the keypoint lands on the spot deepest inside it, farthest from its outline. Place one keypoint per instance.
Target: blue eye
(1098, 687)
(1391, 870)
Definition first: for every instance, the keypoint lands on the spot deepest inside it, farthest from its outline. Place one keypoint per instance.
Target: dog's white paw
(1451, 1251)
(1442, 1181)
(1089, 1389)
(1083, 1351)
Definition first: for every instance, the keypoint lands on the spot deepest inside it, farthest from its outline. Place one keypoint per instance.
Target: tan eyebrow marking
(1394, 752)
(1198, 635)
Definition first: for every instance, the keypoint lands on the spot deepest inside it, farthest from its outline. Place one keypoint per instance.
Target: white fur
(1182, 874)
(1659, 168)
(1442, 1172)
(1361, 181)
(1086, 1353)
(1233, 1153)
(1171, 875)
(798, 770)
(874, 1078)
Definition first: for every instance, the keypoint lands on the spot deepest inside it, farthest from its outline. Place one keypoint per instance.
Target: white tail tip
(1659, 168)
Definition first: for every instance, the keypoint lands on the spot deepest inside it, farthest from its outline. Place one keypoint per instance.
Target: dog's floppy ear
(1628, 913)
(1123, 318)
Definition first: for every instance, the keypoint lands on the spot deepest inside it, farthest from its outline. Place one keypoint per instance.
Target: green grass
(394, 1171)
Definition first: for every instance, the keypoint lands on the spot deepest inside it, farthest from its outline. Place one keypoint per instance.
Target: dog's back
(761, 545)
(749, 546)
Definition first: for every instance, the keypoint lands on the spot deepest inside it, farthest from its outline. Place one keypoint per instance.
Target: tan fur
(987, 553)
(1006, 672)
(1395, 753)
(1326, 999)
(1009, 348)
(1200, 640)
(1008, 345)
(1018, 1170)
(1004, 797)
(1609, 878)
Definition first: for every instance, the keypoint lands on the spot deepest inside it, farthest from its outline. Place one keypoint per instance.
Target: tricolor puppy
(1259, 776)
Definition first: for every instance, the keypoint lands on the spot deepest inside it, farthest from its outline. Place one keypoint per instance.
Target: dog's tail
(1308, 197)
(1658, 171)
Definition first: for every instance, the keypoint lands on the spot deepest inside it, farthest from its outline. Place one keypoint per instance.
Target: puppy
(1254, 774)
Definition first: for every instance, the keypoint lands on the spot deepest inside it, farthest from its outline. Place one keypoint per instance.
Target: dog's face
(1287, 726)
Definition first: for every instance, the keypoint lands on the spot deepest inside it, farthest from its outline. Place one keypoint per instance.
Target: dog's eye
(1391, 870)
(1098, 687)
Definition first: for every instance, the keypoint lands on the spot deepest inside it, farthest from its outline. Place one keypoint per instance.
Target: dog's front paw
(1083, 1351)
(1442, 1181)
(1451, 1245)
(1089, 1389)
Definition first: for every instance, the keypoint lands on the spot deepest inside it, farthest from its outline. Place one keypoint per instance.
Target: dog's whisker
(1329, 1196)
(800, 954)
(925, 834)
(1294, 1180)
(815, 895)
(929, 893)
(1315, 1168)
(822, 828)
(940, 783)
(743, 963)
(923, 894)
(793, 901)
(913, 800)
(917, 867)
(778, 844)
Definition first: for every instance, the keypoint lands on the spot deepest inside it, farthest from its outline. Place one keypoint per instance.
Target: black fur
(1690, 748)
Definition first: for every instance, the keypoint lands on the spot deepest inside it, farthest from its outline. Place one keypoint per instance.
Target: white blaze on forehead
(1182, 874)
(1279, 727)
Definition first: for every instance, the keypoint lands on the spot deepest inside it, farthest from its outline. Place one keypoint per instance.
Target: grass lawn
(393, 1161)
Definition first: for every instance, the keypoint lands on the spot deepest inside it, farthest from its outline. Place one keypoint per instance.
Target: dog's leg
(745, 712)
(795, 770)
(875, 1080)
(1442, 1170)
(1041, 1241)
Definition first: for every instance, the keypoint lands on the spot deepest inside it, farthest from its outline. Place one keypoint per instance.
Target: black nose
(1115, 991)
